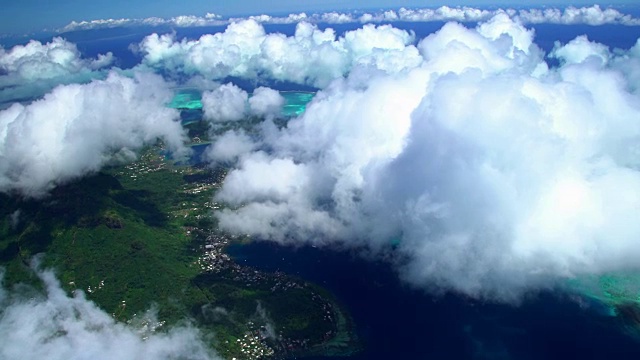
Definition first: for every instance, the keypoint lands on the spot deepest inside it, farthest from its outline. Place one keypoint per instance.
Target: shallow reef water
(190, 100)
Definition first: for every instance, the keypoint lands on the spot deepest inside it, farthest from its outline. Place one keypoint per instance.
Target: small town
(149, 162)
(254, 343)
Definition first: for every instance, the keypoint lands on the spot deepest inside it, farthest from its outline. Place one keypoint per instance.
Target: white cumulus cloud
(59, 57)
(230, 146)
(77, 129)
(226, 103)
(579, 50)
(589, 15)
(266, 102)
(311, 56)
(34, 68)
(316, 57)
(492, 172)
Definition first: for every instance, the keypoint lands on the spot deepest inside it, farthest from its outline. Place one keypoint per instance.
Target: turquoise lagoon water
(189, 100)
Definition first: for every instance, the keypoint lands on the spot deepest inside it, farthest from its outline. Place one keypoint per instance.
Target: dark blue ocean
(397, 322)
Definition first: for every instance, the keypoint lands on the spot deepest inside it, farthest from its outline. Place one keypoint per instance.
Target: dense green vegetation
(130, 238)
(97, 230)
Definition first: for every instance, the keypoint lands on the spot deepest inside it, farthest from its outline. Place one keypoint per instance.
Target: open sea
(397, 322)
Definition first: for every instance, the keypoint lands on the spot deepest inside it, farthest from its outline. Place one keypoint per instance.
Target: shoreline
(345, 340)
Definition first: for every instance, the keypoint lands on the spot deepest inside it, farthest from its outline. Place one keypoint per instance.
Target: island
(140, 239)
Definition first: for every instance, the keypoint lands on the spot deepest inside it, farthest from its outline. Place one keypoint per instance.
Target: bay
(397, 321)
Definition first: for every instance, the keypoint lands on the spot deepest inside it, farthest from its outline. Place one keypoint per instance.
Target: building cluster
(214, 259)
(253, 344)
(202, 205)
(195, 189)
(188, 208)
(211, 181)
(206, 181)
(148, 163)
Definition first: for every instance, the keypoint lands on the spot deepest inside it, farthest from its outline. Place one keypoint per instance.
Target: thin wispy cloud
(57, 326)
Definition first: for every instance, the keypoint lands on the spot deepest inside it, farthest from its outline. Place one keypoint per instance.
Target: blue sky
(19, 16)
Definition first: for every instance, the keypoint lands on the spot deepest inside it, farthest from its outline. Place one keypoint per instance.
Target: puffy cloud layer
(59, 327)
(311, 56)
(579, 50)
(229, 146)
(230, 103)
(592, 15)
(42, 66)
(266, 102)
(77, 129)
(59, 57)
(589, 15)
(226, 103)
(315, 57)
(492, 173)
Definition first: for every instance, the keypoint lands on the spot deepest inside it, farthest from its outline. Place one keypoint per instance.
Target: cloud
(315, 57)
(77, 129)
(226, 103)
(579, 50)
(229, 146)
(266, 102)
(571, 15)
(482, 170)
(32, 69)
(209, 19)
(59, 57)
(56, 326)
(592, 15)
(14, 219)
(311, 56)
(230, 103)
(629, 66)
(444, 13)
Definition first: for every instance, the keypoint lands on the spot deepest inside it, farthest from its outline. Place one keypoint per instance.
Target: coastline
(343, 342)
